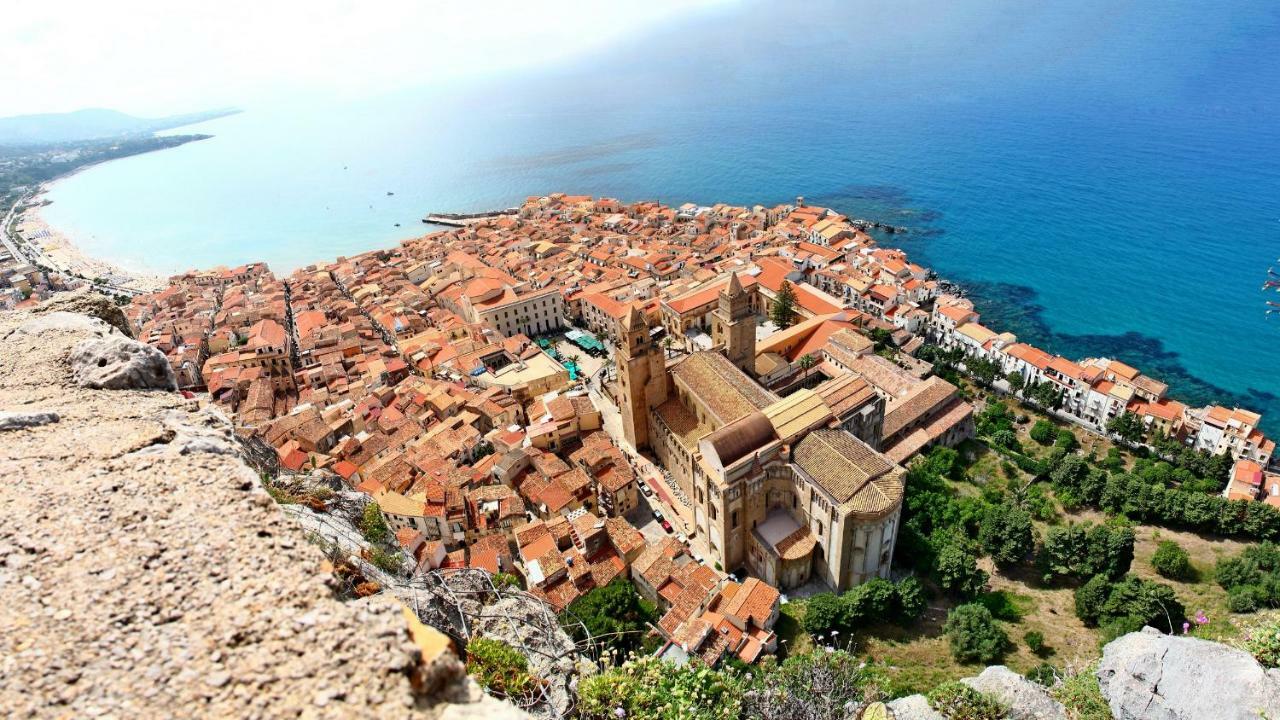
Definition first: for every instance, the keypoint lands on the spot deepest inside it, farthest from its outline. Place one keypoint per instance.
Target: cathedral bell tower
(733, 326)
(642, 381)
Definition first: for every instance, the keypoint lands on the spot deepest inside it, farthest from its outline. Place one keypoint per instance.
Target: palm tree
(666, 346)
(806, 363)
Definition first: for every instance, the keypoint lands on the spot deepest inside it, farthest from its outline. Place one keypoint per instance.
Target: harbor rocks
(120, 363)
(1151, 676)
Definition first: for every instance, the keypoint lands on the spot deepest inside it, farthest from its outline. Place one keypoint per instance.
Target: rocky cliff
(145, 573)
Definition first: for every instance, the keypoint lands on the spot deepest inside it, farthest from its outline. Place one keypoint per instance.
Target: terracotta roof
(850, 471)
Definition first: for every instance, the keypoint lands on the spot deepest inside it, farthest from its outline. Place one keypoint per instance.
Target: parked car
(684, 539)
(666, 525)
(645, 489)
(657, 515)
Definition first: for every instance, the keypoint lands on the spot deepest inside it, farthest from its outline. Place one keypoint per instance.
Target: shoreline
(58, 250)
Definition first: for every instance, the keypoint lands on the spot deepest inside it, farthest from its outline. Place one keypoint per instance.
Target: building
(778, 487)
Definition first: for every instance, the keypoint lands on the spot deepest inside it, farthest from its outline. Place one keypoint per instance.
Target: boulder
(1027, 699)
(116, 362)
(20, 420)
(1152, 676)
(914, 707)
(89, 303)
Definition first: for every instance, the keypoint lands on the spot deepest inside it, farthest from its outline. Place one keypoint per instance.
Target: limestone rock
(20, 420)
(1151, 676)
(63, 322)
(120, 363)
(86, 302)
(914, 707)
(1027, 700)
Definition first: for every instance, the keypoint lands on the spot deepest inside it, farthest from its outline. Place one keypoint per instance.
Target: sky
(153, 57)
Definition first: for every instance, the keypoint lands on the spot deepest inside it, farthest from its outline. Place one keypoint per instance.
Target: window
(734, 519)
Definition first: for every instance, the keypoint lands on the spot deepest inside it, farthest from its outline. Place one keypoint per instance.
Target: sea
(1103, 177)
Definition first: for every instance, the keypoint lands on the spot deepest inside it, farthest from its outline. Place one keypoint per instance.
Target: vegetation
(1263, 642)
(957, 701)
(1081, 695)
(500, 669)
(1128, 605)
(783, 310)
(1006, 534)
(1171, 561)
(974, 635)
(816, 684)
(1083, 550)
(1127, 426)
(373, 526)
(615, 615)
(391, 562)
(1252, 578)
(650, 689)
(1035, 641)
(875, 601)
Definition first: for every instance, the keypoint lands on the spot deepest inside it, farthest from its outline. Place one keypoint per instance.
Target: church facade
(778, 485)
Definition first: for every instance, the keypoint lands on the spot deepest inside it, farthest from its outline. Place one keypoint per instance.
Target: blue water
(1105, 177)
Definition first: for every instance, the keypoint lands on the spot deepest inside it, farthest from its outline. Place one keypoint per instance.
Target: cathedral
(779, 486)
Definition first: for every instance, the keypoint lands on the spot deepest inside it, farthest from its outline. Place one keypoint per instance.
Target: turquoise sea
(1103, 176)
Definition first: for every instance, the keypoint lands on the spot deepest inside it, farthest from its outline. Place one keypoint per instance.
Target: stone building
(779, 486)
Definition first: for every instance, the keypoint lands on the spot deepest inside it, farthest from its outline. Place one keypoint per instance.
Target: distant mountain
(91, 124)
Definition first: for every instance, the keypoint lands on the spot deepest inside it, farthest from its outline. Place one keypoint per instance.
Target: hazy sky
(156, 57)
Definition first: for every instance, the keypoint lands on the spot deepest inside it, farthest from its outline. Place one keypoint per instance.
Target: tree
(1044, 394)
(815, 684)
(1006, 534)
(1171, 561)
(1090, 597)
(958, 571)
(822, 613)
(1016, 383)
(806, 363)
(1035, 641)
(1006, 439)
(1066, 440)
(783, 310)
(1083, 550)
(911, 601)
(983, 370)
(666, 346)
(615, 615)
(1043, 432)
(1127, 426)
(974, 635)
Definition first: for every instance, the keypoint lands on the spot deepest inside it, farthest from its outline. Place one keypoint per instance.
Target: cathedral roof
(720, 388)
(741, 437)
(851, 471)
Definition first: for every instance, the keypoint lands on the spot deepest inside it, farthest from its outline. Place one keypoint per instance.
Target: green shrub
(652, 689)
(1171, 561)
(1090, 598)
(974, 635)
(1066, 440)
(373, 526)
(1035, 641)
(957, 701)
(500, 669)
(1044, 674)
(1006, 534)
(958, 571)
(391, 562)
(1043, 432)
(911, 600)
(1246, 599)
(615, 615)
(816, 684)
(1263, 642)
(1082, 696)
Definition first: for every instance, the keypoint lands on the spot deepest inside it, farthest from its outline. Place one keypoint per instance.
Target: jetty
(465, 219)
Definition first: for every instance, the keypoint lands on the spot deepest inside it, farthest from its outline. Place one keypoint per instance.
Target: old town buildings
(520, 393)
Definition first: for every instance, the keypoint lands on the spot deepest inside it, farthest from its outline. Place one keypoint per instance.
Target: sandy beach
(61, 253)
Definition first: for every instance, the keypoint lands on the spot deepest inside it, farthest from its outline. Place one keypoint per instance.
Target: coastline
(59, 251)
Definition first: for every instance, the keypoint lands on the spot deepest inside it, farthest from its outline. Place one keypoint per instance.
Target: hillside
(90, 124)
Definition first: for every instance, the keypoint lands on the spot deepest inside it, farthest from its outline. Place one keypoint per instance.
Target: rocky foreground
(145, 573)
